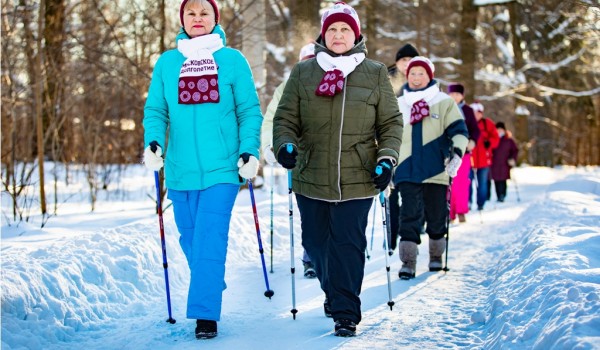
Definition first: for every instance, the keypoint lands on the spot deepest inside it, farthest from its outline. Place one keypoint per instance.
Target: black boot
(309, 270)
(206, 329)
(345, 328)
(327, 308)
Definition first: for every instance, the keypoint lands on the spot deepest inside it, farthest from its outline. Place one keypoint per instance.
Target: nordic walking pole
(268, 293)
(477, 191)
(448, 203)
(272, 185)
(384, 216)
(171, 320)
(448, 199)
(294, 311)
(386, 247)
(516, 188)
(372, 228)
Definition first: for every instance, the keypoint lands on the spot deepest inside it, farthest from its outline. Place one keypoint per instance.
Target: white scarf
(408, 99)
(336, 70)
(198, 78)
(346, 64)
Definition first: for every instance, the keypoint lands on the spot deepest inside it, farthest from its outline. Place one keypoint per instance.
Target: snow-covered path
(104, 288)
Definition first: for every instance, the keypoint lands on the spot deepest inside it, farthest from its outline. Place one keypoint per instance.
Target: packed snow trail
(104, 289)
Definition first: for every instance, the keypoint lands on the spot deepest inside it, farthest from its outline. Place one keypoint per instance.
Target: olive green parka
(339, 139)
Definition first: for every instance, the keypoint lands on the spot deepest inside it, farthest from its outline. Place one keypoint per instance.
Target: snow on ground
(524, 274)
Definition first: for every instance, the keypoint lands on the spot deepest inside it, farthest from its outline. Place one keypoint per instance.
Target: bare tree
(254, 40)
(468, 47)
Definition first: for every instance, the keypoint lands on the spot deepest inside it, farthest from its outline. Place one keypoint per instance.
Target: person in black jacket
(459, 202)
(397, 74)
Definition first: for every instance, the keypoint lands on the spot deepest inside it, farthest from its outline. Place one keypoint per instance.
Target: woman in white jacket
(434, 130)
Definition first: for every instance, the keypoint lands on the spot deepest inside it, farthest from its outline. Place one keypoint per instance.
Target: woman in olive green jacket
(340, 116)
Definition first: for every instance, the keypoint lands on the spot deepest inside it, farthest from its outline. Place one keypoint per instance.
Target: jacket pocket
(304, 159)
(360, 171)
(367, 161)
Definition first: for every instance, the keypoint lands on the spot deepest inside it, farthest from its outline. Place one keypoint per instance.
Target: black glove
(487, 144)
(153, 146)
(458, 152)
(287, 156)
(382, 174)
(245, 157)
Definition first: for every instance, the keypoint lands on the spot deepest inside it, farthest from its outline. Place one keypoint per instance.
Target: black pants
(333, 234)
(423, 200)
(500, 189)
(394, 217)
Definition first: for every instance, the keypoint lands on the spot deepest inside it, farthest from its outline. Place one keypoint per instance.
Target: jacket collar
(217, 30)
(358, 47)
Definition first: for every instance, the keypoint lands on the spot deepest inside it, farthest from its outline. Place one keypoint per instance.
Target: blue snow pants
(202, 218)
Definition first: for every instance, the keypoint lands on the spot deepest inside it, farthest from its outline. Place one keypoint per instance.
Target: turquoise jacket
(205, 140)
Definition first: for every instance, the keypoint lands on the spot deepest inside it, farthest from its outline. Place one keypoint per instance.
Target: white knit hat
(340, 12)
(307, 51)
(477, 106)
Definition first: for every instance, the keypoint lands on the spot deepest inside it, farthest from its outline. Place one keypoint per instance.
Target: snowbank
(545, 290)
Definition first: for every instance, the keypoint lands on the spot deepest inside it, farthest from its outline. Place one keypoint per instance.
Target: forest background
(75, 73)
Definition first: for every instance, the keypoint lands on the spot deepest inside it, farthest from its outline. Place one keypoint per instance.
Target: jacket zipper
(339, 163)
(197, 147)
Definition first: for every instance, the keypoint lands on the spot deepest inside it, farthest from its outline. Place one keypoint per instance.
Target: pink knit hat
(212, 3)
(341, 12)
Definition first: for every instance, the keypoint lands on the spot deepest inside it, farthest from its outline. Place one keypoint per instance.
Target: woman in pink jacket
(459, 201)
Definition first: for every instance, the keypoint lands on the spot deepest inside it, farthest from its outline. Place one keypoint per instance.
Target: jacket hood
(359, 47)
(216, 30)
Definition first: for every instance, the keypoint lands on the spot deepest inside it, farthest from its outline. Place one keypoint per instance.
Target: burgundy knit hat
(421, 61)
(341, 12)
(456, 87)
(212, 3)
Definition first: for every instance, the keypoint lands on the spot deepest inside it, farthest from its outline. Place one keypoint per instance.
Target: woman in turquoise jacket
(203, 95)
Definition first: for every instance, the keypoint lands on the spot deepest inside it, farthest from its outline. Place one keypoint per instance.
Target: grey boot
(436, 250)
(408, 255)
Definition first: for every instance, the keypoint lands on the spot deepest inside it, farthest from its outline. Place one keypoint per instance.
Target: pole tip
(269, 293)
(294, 312)
(391, 304)
(171, 320)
